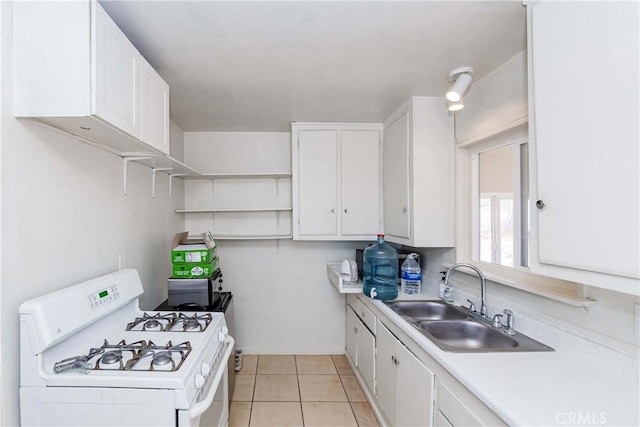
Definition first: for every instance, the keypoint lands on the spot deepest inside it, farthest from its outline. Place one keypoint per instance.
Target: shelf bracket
(125, 164)
(153, 179)
(171, 176)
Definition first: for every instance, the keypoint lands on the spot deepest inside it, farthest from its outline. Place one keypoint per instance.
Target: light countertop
(580, 383)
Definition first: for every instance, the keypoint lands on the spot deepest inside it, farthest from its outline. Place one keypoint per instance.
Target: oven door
(213, 409)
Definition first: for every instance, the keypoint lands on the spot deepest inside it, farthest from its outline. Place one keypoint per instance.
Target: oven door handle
(199, 408)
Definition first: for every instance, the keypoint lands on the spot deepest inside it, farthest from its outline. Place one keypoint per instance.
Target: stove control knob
(206, 369)
(199, 381)
(223, 333)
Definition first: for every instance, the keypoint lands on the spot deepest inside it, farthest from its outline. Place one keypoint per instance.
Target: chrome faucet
(483, 285)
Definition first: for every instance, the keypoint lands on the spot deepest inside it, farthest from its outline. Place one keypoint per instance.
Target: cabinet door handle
(355, 330)
(346, 211)
(540, 204)
(362, 314)
(393, 359)
(333, 211)
(404, 210)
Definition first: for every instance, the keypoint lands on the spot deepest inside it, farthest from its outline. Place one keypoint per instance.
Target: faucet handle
(472, 306)
(509, 314)
(497, 323)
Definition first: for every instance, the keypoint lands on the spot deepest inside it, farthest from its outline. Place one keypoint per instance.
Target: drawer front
(366, 315)
(453, 409)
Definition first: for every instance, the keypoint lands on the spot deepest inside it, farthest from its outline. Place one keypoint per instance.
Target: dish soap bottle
(445, 291)
(411, 275)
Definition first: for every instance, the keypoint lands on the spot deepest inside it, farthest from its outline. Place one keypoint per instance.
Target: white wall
(284, 302)
(495, 101)
(493, 104)
(65, 219)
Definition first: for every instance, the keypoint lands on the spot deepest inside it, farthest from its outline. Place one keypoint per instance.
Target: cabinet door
(117, 76)
(318, 180)
(414, 385)
(360, 169)
(154, 108)
(455, 411)
(351, 335)
(366, 348)
(386, 372)
(586, 136)
(395, 173)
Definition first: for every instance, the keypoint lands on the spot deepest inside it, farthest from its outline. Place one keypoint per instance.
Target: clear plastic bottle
(380, 271)
(410, 275)
(445, 291)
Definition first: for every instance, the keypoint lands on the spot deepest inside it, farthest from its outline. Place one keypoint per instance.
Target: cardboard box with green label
(193, 251)
(195, 270)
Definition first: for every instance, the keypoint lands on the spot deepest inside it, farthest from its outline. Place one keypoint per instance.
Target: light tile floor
(298, 391)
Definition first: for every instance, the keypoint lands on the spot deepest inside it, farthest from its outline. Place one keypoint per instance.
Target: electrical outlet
(637, 319)
(122, 260)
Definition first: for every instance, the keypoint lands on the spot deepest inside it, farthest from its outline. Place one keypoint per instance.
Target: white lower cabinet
(361, 346)
(407, 386)
(453, 411)
(404, 386)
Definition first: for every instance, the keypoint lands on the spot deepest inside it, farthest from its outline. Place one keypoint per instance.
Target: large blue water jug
(380, 271)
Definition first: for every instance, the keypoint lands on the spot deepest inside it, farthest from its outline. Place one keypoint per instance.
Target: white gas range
(90, 356)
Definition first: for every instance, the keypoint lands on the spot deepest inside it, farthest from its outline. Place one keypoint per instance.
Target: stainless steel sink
(471, 336)
(427, 310)
(468, 335)
(454, 329)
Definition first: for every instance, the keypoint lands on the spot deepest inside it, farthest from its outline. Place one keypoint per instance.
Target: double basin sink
(454, 329)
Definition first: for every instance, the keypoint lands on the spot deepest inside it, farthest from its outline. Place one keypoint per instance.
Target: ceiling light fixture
(461, 79)
(455, 106)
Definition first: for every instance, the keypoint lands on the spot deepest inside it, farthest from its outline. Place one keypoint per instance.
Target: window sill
(555, 289)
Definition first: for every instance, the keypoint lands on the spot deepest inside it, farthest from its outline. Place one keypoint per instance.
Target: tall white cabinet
(418, 174)
(336, 181)
(585, 142)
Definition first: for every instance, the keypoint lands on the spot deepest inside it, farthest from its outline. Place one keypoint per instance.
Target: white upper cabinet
(117, 74)
(154, 108)
(396, 177)
(418, 174)
(584, 109)
(73, 68)
(336, 181)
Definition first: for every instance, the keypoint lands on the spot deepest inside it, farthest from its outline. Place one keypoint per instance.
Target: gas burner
(161, 358)
(155, 322)
(152, 325)
(190, 325)
(111, 357)
(194, 323)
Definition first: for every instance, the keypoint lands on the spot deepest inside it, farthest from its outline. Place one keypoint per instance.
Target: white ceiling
(257, 66)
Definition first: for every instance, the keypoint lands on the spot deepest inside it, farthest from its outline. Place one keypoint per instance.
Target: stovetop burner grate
(174, 322)
(128, 357)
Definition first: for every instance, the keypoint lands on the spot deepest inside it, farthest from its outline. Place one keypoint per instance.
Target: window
(500, 203)
(492, 226)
